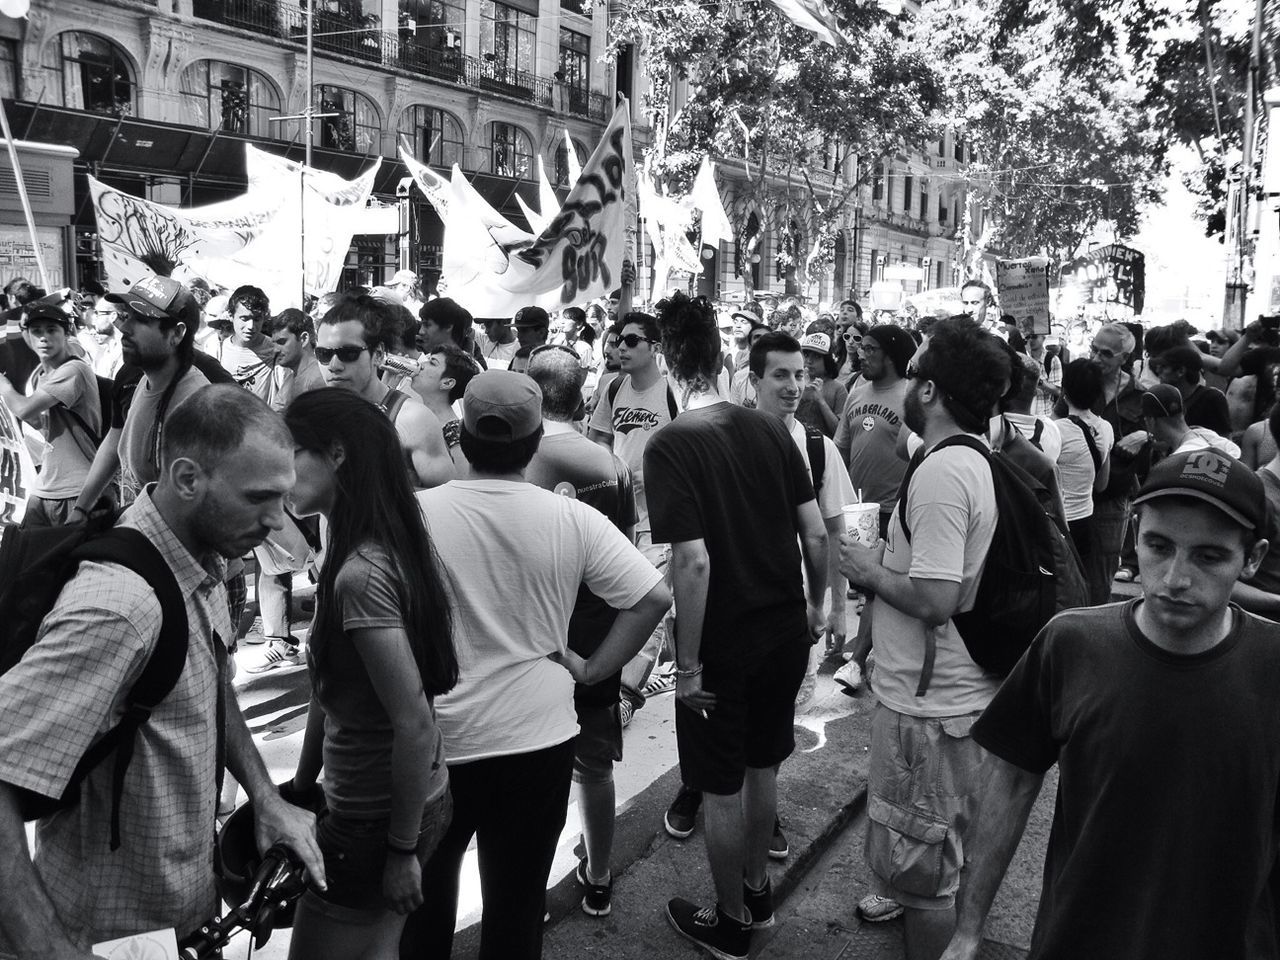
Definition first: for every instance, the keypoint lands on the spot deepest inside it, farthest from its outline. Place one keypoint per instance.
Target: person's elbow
(654, 604)
(937, 602)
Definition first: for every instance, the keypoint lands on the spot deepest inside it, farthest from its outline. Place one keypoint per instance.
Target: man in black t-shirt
(569, 464)
(742, 629)
(1204, 406)
(1161, 716)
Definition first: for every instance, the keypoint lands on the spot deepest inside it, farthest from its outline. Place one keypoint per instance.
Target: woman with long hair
(380, 649)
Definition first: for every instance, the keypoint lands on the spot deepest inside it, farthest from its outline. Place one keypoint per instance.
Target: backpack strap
(1089, 441)
(1037, 433)
(614, 387)
(672, 407)
(959, 440)
(817, 455)
(133, 550)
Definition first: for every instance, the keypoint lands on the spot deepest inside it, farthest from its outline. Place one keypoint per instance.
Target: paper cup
(862, 522)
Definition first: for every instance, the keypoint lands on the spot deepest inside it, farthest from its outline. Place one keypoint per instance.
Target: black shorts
(752, 722)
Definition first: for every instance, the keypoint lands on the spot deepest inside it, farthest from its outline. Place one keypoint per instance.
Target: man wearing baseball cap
(824, 395)
(1164, 413)
(157, 319)
(533, 327)
(62, 402)
(1160, 713)
(517, 555)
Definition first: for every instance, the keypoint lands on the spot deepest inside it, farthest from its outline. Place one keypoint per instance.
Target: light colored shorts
(923, 790)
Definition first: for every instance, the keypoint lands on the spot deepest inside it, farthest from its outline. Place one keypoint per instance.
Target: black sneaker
(710, 928)
(682, 814)
(597, 898)
(759, 904)
(778, 846)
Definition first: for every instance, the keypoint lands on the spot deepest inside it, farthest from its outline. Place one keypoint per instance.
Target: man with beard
(926, 772)
(157, 320)
(62, 402)
(227, 467)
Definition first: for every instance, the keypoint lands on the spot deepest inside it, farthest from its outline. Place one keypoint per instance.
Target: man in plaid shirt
(227, 464)
(1050, 385)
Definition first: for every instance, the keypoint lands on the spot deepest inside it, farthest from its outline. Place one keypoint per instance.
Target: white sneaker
(849, 677)
(874, 909)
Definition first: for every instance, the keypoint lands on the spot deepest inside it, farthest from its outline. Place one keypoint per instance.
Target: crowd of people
(521, 529)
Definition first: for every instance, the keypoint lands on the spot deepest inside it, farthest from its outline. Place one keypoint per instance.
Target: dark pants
(515, 808)
(1096, 577)
(1110, 519)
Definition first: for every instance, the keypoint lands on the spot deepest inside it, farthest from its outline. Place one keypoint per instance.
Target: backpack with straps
(1036, 434)
(1089, 441)
(35, 564)
(817, 456)
(612, 393)
(1031, 570)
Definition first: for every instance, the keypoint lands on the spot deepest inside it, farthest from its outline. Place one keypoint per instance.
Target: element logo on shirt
(626, 419)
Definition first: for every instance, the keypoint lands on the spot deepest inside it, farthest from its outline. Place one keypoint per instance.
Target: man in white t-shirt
(249, 354)
(510, 723)
(497, 342)
(631, 410)
(926, 772)
(62, 402)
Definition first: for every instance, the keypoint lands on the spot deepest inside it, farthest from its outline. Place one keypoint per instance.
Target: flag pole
(22, 196)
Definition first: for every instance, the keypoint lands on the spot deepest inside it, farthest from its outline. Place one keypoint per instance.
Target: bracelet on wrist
(692, 672)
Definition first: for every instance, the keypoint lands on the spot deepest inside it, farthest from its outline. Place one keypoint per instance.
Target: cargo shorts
(923, 790)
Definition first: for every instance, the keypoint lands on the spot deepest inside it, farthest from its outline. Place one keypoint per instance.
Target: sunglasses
(853, 338)
(347, 354)
(633, 340)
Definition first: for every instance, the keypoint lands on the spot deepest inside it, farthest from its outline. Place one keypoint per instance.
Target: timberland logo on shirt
(1208, 466)
(626, 419)
(868, 424)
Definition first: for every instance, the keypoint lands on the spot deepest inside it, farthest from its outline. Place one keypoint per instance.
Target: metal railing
(364, 41)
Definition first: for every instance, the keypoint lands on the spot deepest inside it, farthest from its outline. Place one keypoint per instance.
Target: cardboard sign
(1023, 287)
(16, 471)
(1110, 274)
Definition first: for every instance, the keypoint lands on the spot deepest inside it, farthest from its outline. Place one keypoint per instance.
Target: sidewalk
(820, 791)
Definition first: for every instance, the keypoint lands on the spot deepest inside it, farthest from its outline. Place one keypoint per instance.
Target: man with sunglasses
(351, 342)
(632, 409)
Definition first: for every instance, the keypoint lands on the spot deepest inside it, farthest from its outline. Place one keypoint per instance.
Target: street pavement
(821, 803)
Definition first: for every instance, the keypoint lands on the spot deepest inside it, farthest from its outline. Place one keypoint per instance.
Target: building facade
(159, 97)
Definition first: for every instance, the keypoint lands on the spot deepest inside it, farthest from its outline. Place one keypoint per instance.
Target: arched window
(88, 72)
(509, 152)
(561, 165)
(228, 97)
(435, 136)
(355, 127)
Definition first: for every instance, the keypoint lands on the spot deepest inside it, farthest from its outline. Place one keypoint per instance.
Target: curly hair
(382, 326)
(690, 336)
(970, 366)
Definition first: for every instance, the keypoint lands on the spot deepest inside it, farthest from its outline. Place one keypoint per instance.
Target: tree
(1062, 142)
(772, 99)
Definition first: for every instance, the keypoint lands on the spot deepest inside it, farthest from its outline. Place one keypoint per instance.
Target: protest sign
(1023, 287)
(1110, 274)
(16, 471)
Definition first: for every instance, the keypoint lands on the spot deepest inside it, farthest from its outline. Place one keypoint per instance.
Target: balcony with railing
(335, 33)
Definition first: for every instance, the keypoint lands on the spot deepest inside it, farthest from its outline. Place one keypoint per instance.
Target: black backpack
(35, 564)
(1031, 571)
(817, 456)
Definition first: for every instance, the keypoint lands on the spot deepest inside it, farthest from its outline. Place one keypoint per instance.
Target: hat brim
(749, 317)
(1226, 508)
(137, 305)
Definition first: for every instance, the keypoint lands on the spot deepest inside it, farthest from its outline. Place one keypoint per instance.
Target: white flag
(577, 257)
(706, 197)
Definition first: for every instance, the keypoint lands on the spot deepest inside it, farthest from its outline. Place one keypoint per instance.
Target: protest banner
(243, 240)
(1110, 274)
(1023, 288)
(577, 257)
(16, 471)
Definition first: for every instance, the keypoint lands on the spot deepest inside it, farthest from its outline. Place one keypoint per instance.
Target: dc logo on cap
(1207, 465)
(153, 286)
